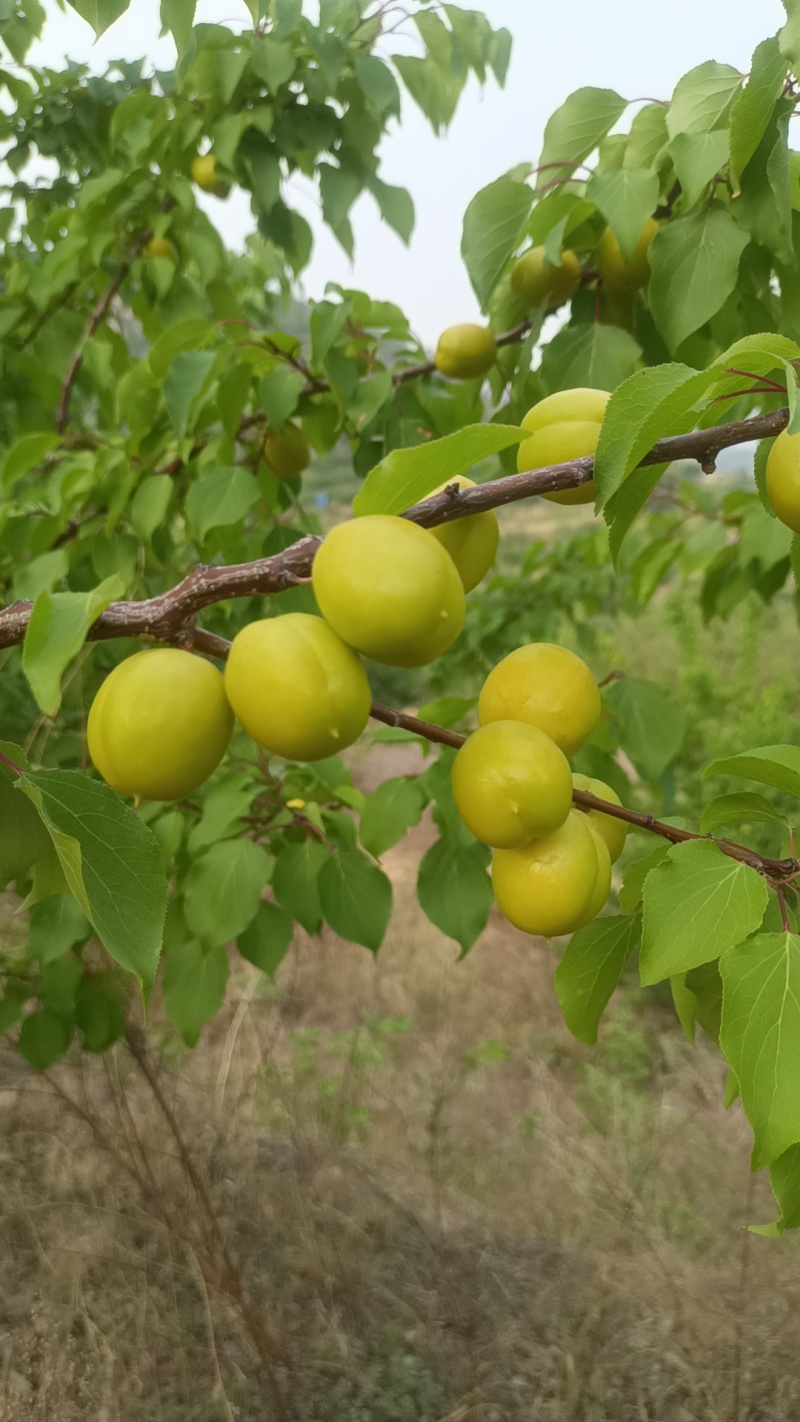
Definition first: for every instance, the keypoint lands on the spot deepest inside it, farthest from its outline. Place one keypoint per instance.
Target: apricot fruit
(297, 689)
(548, 886)
(471, 542)
(465, 352)
(160, 247)
(602, 884)
(535, 280)
(548, 687)
(204, 172)
(612, 830)
(783, 479)
(612, 266)
(160, 724)
(389, 589)
(287, 452)
(562, 427)
(511, 784)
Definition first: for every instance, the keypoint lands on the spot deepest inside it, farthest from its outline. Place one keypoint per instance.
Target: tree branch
(169, 617)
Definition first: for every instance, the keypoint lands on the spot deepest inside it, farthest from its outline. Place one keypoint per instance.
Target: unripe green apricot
(296, 688)
(613, 831)
(287, 452)
(548, 886)
(465, 352)
(511, 784)
(160, 247)
(204, 171)
(534, 280)
(783, 479)
(471, 542)
(547, 686)
(612, 266)
(389, 589)
(159, 725)
(563, 427)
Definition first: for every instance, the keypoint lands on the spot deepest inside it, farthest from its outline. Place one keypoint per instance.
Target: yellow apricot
(204, 172)
(465, 352)
(534, 279)
(287, 452)
(160, 247)
(547, 686)
(471, 542)
(296, 688)
(548, 886)
(160, 724)
(563, 427)
(613, 831)
(511, 784)
(389, 589)
(602, 884)
(613, 267)
(783, 479)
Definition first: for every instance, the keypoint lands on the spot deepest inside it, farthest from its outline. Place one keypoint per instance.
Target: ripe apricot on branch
(471, 542)
(296, 688)
(204, 172)
(783, 479)
(160, 724)
(548, 886)
(160, 247)
(287, 452)
(563, 427)
(602, 883)
(389, 589)
(511, 784)
(534, 279)
(547, 686)
(634, 273)
(613, 831)
(465, 352)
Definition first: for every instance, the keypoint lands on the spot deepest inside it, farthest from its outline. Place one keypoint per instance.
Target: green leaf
(188, 335)
(650, 405)
(356, 898)
(784, 1174)
(149, 505)
(187, 376)
(590, 970)
(698, 157)
(493, 226)
(44, 1037)
(627, 503)
(634, 878)
(56, 924)
(178, 16)
(58, 984)
(295, 882)
(651, 724)
(763, 450)
(396, 207)
(760, 1037)
(223, 889)
(576, 128)
(743, 808)
(55, 634)
(26, 454)
(755, 103)
(694, 264)
(273, 61)
(265, 942)
(407, 475)
(23, 837)
(100, 13)
(389, 812)
(279, 394)
(598, 356)
(697, 904)
(778, 766)
(100, 1012)
(111, 861)
(626, 199)
(325, 324)
(454, 890)
(339, 188)
(702, 98)
(194, 987)
(223, 805)
(220, 497)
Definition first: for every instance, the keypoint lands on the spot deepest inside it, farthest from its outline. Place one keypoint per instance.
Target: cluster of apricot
(466, 351)
(512, 784)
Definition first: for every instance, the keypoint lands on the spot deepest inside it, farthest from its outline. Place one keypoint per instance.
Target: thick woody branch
(169, 617)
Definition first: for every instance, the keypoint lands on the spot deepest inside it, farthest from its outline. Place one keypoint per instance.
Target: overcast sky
(639, 47)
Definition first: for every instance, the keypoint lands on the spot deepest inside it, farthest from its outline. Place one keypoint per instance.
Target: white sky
(639, 47)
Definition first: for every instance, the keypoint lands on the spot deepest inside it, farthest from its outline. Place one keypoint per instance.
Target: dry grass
(444, 1207)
